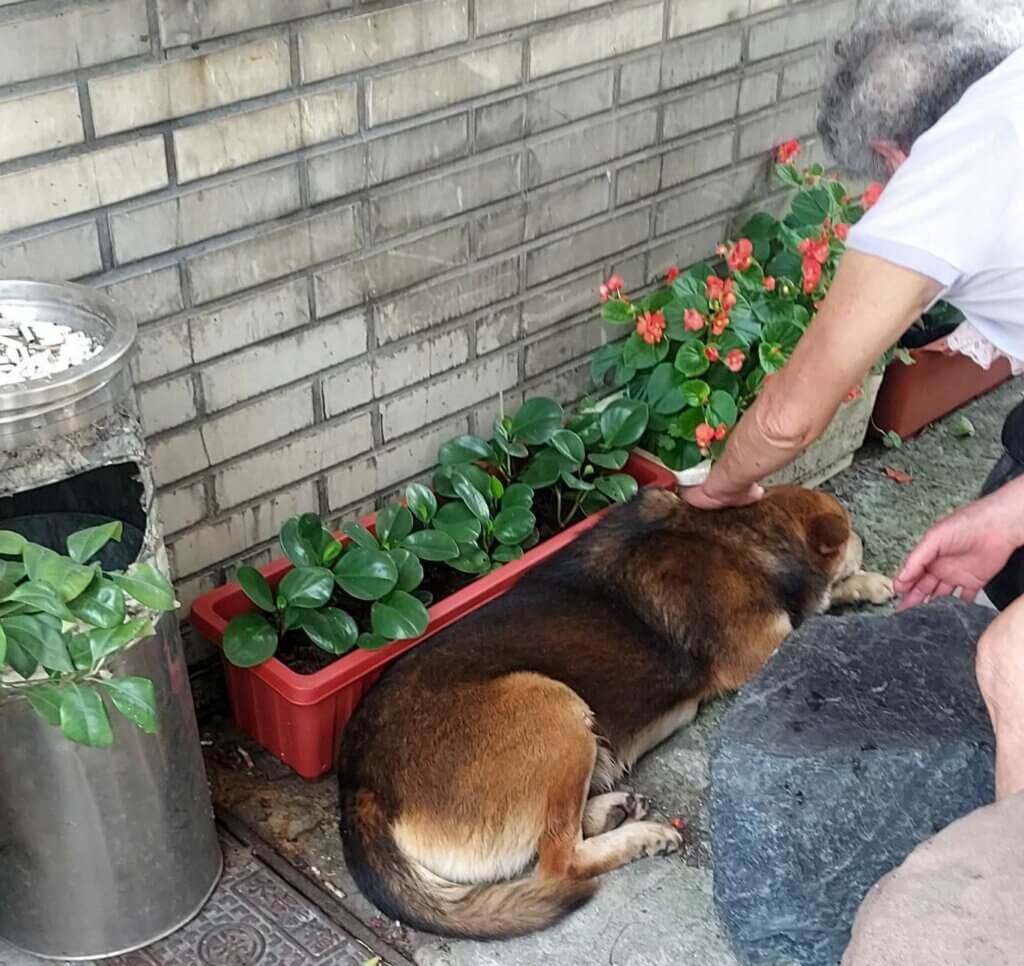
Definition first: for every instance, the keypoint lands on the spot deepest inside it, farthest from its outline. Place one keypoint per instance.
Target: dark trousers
(1008, 584)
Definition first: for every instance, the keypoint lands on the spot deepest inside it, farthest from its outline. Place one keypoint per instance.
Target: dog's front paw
(864, 589)
(658, 839)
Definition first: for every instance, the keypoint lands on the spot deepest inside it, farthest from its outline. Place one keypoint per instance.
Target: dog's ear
(828, 533)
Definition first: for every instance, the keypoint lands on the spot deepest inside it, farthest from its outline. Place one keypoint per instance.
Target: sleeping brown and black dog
(476, 779)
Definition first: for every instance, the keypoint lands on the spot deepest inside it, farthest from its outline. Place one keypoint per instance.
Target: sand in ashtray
(37, 350)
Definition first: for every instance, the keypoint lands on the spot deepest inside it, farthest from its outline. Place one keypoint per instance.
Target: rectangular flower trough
(300, 717)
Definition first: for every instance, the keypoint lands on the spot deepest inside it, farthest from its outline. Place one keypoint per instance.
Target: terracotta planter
(301, 717)
(914, 396)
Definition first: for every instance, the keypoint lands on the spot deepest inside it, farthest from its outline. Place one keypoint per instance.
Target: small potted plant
(704, 342)
(306, 636)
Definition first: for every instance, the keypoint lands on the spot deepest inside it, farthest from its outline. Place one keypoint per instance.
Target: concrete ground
(657, 911)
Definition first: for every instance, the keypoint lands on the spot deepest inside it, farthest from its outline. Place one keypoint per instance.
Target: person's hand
(965, 550)
(710, 496)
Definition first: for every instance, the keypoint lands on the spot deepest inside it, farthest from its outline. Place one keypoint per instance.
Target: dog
(477, 777)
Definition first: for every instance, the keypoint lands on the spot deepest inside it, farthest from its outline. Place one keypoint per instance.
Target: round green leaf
(696, 392)
(722, 409)
(514, 525)
(771, 356)
(619, 488)
(410, 570)
(511, 448)
(45, 701)
(566, 442)
(83, 718)
(544, 469)
(372, 642)
(455, 520)
(101, 604)
(505, 554)
(434, 545)
(307, 587)
(11, 543)
(690, 359)
(394, 524)
(640, 355)
(148, 586)
(249, 640)
(135, 698)
(422, 502)
(85, 544)
(624, 422)
(471, 561)
(256, 588)
(360, 536)
(518, 494)
(330, 629)
(471, 496)
(612, 460)
(367, 574)
(686, 425)
(660, 381)
(399, 616)
(299, 550)
(575, 483)
(537, 421)
(464, 449)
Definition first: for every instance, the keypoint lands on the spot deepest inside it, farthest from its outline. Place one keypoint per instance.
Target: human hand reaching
(965, 550)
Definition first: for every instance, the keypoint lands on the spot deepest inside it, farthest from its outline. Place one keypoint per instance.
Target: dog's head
(825, 526)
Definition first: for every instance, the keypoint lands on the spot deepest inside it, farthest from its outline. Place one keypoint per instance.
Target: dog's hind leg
(606, 812)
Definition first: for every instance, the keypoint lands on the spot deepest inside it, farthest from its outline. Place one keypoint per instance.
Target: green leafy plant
(62, 619)
(704, 342)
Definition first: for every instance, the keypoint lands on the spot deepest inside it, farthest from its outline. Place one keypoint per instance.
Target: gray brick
(591, 145)
(804, 75)
(337, 173)
(177, 455)
(430, 87)
(250, 319)
(233, 268)
(544, 213)
(197, 215)
(65, 254)
(39, 122)
(486, 412)
(322, 447)
(696, 158)
(331, 47)
(587, 245)
(565, 345)
(419, 359)
(243, 375)
(418, 148)
(202, 150)
(72, 37)
(561, 302)
(761, 6)
(637, 180)
(347, 388)
(164, 405)
(793, 121)
(498, 329)
(81, 183)
(800, 28)
(640, 78)
(251, 426)
(495, 15)
(137, 98)
(709, 198)
(694, 60)
(704, 109)
(162, 349)
(567, 385)
(690, 16)
(569, 101)
(449, 394)
(500, 123)
(186, 22)
(684, 250)
(433, 201)
(459, 296)
(402, 264)
(582, 43)
(150, 295)
(758, 91)
(183, 507)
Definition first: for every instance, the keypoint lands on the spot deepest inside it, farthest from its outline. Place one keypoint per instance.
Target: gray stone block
(862, 738)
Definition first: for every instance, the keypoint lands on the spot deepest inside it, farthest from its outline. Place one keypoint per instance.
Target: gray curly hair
(905, 63)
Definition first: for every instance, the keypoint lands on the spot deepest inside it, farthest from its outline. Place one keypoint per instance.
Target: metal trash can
(102, 851)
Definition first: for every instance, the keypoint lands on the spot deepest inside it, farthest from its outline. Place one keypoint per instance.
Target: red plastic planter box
(913, 397)
(300, 717)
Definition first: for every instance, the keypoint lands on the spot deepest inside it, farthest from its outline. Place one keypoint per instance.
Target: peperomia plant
(62, 619)
(381, 571)
(704, 342)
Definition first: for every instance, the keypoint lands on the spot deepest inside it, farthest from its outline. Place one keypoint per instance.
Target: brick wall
(345, 227)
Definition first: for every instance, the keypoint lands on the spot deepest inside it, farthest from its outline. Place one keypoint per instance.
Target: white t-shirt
(954, 212)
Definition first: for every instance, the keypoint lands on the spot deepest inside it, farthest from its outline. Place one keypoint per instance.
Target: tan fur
(467, 774)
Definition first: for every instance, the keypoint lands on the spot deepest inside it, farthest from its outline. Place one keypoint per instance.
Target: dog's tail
(406, 891)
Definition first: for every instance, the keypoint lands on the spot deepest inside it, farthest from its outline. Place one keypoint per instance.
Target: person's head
(901, 66)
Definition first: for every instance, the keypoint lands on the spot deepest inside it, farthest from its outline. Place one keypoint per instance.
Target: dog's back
(465, 774)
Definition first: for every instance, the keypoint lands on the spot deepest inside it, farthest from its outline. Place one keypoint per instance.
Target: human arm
(966, 549)
(871, 303)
